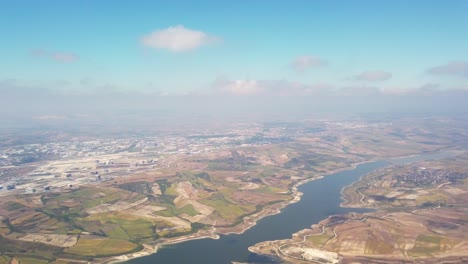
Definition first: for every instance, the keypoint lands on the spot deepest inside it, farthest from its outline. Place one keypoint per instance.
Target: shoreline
(250, 220)
(153, 249)
(345, 203)
(247, 222)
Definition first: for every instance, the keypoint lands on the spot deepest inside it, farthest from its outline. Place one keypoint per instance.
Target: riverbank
(152, 249)
(247, 223)
(391, 236)
(250, 221)
(349, 201)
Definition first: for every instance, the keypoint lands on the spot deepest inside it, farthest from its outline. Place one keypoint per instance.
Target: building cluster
(59, 165)
(426, 177)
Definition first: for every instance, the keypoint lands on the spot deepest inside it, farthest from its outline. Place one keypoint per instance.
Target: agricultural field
(423, 185)
(124, 202)
(121, 216)
(100, 247)
(421, 216)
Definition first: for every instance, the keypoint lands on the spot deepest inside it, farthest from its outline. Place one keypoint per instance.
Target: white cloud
(455, 68)
(427, 89)
(251, 87)
(56, 56)
(305, 62)
(240, 87)
(177, 39)
(358, 91)
(269, 88)
(373, 76)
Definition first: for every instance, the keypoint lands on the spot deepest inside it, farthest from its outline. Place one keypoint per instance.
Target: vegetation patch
(24, 260)
(225, 209)
(101, 247)
(172, 210)
(319, 240)
(118, 233)
(10, 248)
(378, 247)
(10, 206)
(271, 189)
(4, 260)
(138, 187)
(124, 226)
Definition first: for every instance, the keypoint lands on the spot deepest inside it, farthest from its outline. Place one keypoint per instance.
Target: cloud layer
(177, 39)
(305, 62)
(258, 87)
(241, 98)
(455, 68)
(266, 88)
(55, 55)
(373, 76)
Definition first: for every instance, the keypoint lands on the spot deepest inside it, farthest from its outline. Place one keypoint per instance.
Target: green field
(426, 245)
(11, 248)
(118, 233)
(172, 210)
(32, 261)
(272, 190)
(101, 247)
(225, 209)
(122, 226)
(319, 240)
(4, 260)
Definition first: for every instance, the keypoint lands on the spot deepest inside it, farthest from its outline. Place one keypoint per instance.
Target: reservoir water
(321, 199)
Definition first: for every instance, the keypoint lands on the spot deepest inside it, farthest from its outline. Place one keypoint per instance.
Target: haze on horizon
(74, 60)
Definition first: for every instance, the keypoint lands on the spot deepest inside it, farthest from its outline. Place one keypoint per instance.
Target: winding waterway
(321, 199)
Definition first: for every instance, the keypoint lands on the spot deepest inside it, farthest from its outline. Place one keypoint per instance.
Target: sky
(236, 49)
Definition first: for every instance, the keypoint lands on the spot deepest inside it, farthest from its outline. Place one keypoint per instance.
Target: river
(321, 198)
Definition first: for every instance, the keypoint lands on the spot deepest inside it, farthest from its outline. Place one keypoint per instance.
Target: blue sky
(240, 47)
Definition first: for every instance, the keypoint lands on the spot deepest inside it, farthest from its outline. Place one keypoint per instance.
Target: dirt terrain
(422, 216)
(126, 204)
